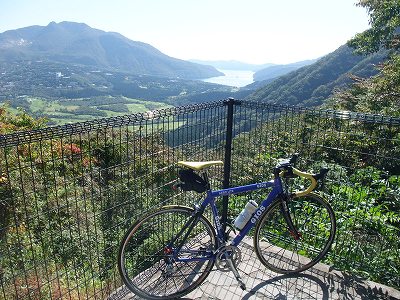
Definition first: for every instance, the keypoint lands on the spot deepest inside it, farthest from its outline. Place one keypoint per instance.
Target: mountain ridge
(311, 85)
(274, 71)
(232, 65)
(71, 42)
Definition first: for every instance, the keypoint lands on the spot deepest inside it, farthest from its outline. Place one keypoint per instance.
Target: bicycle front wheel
(149, 263)
(276, 246)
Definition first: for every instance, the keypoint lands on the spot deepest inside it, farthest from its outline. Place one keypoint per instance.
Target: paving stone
(319, 282)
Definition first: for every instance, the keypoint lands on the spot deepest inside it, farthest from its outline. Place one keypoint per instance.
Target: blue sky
(253, 31)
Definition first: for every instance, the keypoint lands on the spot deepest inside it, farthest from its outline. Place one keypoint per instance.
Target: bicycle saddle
(199, 165)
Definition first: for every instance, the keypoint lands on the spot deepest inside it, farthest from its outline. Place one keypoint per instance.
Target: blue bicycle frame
(276, 184)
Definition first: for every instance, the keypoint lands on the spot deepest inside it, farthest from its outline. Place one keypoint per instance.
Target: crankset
(224, 254)
(227, 259)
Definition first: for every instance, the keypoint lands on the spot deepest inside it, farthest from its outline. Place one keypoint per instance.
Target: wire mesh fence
(68, 193)
(363, 154)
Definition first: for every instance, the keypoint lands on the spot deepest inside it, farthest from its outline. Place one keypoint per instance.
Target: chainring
(226, 252)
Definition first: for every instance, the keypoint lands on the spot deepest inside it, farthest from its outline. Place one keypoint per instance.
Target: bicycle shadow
(349, 286)
(297, 286)
(320, 285)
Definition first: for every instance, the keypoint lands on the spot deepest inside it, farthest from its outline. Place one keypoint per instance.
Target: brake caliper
(168, 250)
(295, 235)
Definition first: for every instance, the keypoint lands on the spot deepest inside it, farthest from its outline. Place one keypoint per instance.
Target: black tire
(276, 247)
(142, 256)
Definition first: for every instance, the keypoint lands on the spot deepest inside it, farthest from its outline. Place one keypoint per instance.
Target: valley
(66, 93)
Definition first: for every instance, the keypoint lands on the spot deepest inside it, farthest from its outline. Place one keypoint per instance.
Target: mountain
(231, 65)
(312, 84)
(77, 43)
(271, 72)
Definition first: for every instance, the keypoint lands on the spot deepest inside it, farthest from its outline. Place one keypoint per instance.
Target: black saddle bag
(190, 181)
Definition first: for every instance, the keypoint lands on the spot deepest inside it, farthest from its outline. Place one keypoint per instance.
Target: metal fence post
(230, 102)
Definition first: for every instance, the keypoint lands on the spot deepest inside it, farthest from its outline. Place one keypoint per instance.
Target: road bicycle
(170, 252)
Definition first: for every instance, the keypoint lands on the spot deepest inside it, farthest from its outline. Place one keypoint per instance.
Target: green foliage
(17, 122)
(65, 203)
(378, 94)
(384, 18)
(63, 111)
(367, 207)
(116, 108)
(381, 93)
(312, 85)
(86, 110)
(363, 183)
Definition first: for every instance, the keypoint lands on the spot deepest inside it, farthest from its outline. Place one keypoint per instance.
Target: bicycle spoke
(150, 270)
(277, 249)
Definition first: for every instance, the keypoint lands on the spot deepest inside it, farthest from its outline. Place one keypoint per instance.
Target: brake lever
(293, 159)
(322, 173)
(320, 177)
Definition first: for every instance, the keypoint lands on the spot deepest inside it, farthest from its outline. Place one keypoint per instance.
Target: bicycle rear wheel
(146, 259)
(277, 248)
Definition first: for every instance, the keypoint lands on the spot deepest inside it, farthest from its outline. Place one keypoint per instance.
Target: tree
(384, 18)
(18, 122)
(380, 93)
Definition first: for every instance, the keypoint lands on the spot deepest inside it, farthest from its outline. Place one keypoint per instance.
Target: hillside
(271, 72)
(311, 85)
(77, 43)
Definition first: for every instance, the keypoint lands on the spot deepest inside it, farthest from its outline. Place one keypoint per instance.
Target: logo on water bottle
(257, 214)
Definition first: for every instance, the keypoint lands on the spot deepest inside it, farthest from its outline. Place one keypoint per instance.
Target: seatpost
(205, 177)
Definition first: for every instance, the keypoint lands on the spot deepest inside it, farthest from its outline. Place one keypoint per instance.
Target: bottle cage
(190, 181)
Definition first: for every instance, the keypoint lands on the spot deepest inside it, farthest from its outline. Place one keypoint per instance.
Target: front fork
(286, 215)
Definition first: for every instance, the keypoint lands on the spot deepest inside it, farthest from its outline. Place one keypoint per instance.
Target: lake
(233, 78)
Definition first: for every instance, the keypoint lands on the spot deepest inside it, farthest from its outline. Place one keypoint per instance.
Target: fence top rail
(24, 137)
(328, 113)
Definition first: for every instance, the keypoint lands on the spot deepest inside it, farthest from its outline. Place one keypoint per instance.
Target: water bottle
(245, 214)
